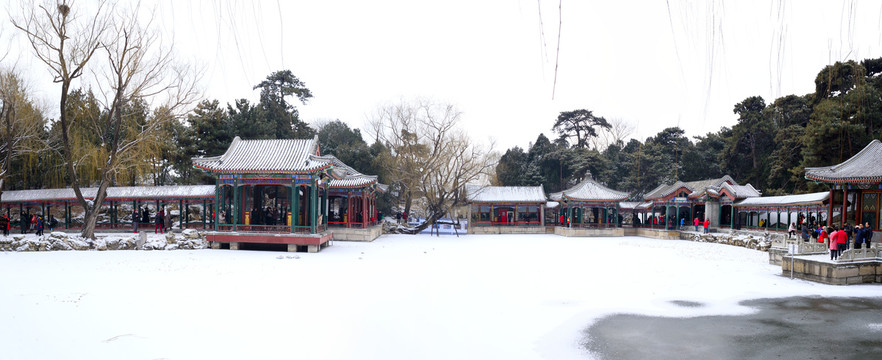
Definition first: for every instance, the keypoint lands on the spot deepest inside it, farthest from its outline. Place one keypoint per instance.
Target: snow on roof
(635, 205)
(552, 204)
(345, 175)
(266, 156)
(803, 199)
(477, 193)
(695, 187)
(742, 191)
(590, 190)
(113, 193)
(863, 167)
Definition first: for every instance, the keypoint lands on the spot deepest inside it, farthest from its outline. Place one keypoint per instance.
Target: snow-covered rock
(78, 243)
(191, 234)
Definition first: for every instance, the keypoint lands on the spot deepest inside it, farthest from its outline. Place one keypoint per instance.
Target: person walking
(167, 221)
(38, 226)
(53, 222)
(4, 223)
(823, 236)
(706, 225)
(23, 222)
(868, 231)
(158, 221)
(849, 232)
(135, 219)
(682, 222)
(858, 236)
(697, 223)
(834, 247)
(841, 241)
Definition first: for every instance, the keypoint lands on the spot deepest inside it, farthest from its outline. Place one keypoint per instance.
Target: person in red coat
(696, 222)
(841, 238)
(706, 225)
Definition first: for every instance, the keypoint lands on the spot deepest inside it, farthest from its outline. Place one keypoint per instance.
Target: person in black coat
(24, 221)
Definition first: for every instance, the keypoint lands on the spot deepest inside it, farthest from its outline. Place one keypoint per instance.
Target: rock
(18, 237)
(60, 246)
(170, 238)
(171, 246)
(101, 245)
(58, 235)
(191, 234)
(23, 247)
(78, 243)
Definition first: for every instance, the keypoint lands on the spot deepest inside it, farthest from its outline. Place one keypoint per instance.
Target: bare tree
(431, 158)
(137, 67)
(618, 132)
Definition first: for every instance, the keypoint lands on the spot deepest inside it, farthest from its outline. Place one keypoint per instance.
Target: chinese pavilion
(855, 187)
(589, 205)
(267, 188)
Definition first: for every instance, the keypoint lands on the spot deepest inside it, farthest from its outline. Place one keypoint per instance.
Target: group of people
(269, 216)
(841, 239)
(28, 222)
(142, 216)
(697, 222)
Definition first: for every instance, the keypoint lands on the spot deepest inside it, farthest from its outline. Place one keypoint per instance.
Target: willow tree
(22, 122)
(431, 159)
(133, 66)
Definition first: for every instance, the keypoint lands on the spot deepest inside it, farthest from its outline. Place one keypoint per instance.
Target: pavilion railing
(499, 223)
(863, 254)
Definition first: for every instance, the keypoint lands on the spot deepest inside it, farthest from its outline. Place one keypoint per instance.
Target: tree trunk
(431, 219)
(408, 201)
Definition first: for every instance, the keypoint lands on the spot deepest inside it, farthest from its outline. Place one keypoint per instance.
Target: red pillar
(844, 203)
(349, 212)
(830, 211)
(364, 210)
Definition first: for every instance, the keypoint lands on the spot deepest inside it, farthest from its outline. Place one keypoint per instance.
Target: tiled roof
(635, 205)
(863, 167)
(590, 190)
(695, 187)
(344, 175)
(739, 191)
(505, 193)
(266, 156)
(113, 193)
(804, 199)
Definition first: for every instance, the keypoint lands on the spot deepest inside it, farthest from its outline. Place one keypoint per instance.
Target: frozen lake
(399, 297)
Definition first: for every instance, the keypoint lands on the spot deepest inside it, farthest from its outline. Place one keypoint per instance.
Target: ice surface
(398, 297)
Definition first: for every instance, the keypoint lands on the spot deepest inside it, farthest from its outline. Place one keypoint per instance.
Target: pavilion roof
(476, 193)
(738, 191)
(344, 176)
(863, 167)
(694, 187)
(803, 199)
(635, 205)
(113, 193)
(589, 190)
(266, 157)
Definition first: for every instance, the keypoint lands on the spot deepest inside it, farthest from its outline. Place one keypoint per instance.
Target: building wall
(712, 211)
(588, 232)
(357, 234)
(478, 230)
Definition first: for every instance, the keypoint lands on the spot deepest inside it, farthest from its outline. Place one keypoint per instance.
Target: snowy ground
(399, 297)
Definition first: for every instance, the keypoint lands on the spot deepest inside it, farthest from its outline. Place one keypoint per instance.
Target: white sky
(622, 59)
